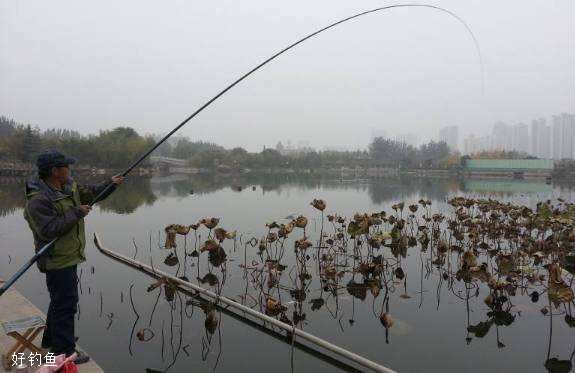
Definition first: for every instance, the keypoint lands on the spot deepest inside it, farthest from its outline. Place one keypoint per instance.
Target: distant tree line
(113, 148)
(397, 154)
(116, 148)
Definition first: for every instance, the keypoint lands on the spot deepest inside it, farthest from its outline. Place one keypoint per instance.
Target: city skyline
(541, 140)
(555, 140)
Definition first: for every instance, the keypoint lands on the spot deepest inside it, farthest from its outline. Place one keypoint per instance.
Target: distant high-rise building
(520, 138)
(557, 133)
(502, 136)
(545, 142)
(554, 141)
(567, 136)
(450, 135)
(540, 139)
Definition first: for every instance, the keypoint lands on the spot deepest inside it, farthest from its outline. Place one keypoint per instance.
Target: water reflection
(502, 265)
(12, 196)
(127, 199)
(365, 292)
(137, 191)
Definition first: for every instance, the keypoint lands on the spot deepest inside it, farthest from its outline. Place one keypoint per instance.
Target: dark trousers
(63, 288)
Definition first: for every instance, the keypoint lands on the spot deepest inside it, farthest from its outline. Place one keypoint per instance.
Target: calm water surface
(431, 323)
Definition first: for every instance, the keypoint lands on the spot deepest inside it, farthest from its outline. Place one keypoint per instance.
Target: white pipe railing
(364, 362)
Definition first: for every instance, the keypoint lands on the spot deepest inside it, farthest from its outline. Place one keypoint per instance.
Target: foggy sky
(148, 64)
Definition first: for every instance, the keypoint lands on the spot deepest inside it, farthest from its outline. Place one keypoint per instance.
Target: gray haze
(148, 64)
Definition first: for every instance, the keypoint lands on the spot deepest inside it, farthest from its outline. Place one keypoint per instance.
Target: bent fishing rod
(108, 188)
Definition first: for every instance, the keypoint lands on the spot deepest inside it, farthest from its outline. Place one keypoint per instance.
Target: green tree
(31, 144)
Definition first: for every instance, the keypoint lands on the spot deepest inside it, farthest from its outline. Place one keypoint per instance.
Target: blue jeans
(63, 288)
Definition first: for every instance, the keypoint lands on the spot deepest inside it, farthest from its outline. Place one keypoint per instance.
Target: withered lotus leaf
(171, 260)
(481, 329)
(182, 229)
(209, 245)
(318, 204)
(170, 242)
(211, 322)
(469, 259)
(210, 223)
(300, 221)
(272, 237)
(217, 257)
(210, 279)
(274, 307)
(302, 243)
(357, 290)
(272, 225)
(316, 303)
(399, 273)
(220, 234)
(386, 320)
(285, 230)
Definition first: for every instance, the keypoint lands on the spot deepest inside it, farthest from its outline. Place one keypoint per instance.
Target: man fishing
(56, 207)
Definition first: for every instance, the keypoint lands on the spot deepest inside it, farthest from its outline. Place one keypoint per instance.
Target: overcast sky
(148, 64)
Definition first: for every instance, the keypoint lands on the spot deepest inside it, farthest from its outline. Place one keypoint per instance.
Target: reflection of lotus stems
(101, 304)
(550, 329)
(177, 352)
(163, 340)
(154, 308)
(421, 281)
(150, 249)
(135, 321)
(135, 248)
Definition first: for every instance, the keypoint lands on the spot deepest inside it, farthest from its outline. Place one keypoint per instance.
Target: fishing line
(108, 188)
(300, 41)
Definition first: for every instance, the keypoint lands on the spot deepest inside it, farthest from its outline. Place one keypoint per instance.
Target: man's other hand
(85, 209)
(117, 179)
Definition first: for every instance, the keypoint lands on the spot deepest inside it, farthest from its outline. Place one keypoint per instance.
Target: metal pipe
(366, 363)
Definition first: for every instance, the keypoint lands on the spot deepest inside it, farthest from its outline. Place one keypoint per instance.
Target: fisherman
(56, 207)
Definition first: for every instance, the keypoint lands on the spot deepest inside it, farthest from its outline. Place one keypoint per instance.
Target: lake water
(431, 316)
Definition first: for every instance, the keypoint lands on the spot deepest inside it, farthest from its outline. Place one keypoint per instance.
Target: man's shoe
(81, 358)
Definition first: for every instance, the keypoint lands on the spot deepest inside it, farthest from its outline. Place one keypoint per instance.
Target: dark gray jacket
(54, 214)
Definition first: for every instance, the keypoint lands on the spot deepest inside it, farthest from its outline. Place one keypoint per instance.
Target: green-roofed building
(511, 167)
